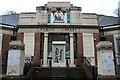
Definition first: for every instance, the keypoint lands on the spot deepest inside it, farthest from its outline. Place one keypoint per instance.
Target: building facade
(58, 35)
(63, 23)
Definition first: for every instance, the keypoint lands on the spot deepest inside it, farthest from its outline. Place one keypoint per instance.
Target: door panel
(58, 55)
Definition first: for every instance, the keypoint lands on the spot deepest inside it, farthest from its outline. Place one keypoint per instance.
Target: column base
(71, 65)
(45, 65)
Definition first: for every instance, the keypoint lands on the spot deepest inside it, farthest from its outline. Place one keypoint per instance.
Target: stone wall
(40, 17)
(89, 19)
(27, 18)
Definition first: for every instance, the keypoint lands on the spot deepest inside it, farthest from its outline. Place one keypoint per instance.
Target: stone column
(45, 54)
(71, 51)
(16, 57)
(105, 60)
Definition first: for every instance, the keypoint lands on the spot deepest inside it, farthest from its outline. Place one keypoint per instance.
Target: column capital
(45, 34)
(71, 34)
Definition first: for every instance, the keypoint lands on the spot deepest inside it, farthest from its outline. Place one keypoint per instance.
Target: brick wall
(5, 47)
(79, 46)
(36, 58)
(20, 36)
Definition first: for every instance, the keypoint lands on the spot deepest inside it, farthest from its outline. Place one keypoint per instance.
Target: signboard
(57, 30)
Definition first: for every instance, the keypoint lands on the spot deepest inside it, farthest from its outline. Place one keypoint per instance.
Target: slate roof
(107, 20)
(10, 19)
(103, 20)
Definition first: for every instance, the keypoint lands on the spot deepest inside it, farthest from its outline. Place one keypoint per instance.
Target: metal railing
(92, 69)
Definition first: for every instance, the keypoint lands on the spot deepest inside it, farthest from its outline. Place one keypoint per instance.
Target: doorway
(58, 54)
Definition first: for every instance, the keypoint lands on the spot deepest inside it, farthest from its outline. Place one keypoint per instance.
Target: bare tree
(117, 12)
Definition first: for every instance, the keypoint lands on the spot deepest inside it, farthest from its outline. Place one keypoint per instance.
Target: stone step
(59, 73)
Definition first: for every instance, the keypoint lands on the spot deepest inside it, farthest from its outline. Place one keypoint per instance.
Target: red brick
(5, 47)
(5, 43)
(36, 58)
(20, 37)
(79, 47)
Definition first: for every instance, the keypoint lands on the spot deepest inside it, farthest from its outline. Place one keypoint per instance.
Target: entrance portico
(62, 46)
(74, 37)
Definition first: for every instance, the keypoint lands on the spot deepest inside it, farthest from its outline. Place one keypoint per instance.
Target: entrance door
(58, 54)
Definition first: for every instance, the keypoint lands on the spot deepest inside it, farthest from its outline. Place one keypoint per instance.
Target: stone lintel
(104, 45)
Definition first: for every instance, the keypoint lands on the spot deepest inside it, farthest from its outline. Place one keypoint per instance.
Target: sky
(105, 7)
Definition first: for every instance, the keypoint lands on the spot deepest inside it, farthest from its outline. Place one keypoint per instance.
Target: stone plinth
(16, 56)
(105, 59)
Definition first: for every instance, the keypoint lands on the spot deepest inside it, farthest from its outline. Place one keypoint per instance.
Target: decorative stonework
(58, 15)
(104, 45)
(17, 45)
(15, 62)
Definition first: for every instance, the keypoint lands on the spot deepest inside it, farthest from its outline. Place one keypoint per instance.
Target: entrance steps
(59, 73)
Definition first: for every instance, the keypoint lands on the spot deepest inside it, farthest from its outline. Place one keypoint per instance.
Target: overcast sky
(105, 7)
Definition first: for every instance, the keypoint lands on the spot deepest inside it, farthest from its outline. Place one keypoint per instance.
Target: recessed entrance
(59, 42)
(58, 54)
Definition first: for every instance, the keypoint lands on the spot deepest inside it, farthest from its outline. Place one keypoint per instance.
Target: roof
(104, 20)
(10, 19)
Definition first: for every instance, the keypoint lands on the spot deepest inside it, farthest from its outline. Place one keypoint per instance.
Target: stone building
(59, 34)
(61, 23)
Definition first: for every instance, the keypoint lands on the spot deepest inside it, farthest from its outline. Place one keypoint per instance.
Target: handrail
(31, 71)
(87, 71)
(91, 68)
(85, 61)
